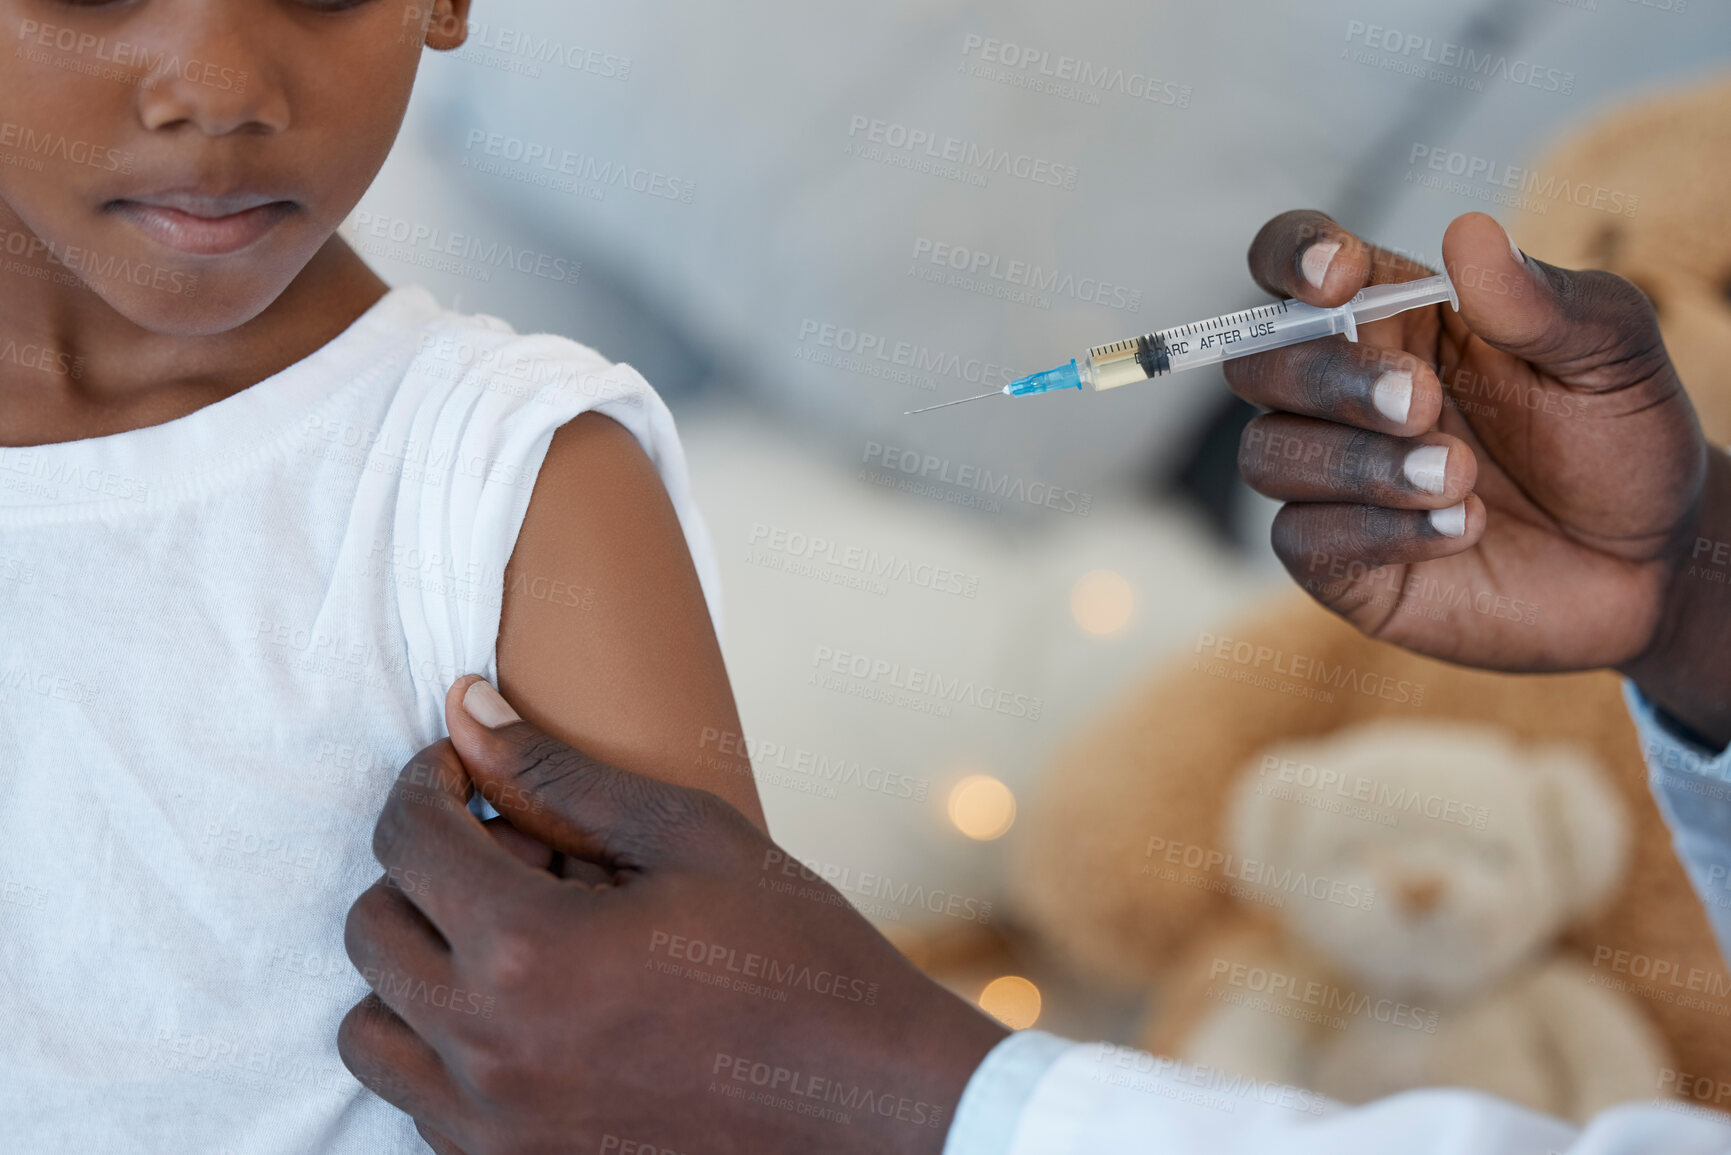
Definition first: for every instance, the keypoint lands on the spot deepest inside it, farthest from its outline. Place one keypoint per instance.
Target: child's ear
(448, 24)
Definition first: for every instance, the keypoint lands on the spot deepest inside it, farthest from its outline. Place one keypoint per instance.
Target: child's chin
(188, 305)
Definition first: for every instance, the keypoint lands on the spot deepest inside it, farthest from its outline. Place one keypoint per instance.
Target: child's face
(144, 142)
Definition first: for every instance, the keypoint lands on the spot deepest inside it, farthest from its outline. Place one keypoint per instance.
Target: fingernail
(1450, 522)
(1520, 257)
(1427, 468)
(1316, 260)
(1392, 395)
(485, 705)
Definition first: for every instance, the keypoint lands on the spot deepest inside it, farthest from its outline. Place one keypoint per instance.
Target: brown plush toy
(1417, 874)
(1666, 163)
(1128, 868)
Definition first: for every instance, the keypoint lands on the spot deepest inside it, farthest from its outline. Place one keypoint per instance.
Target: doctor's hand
(628, 967)
(1519, 486)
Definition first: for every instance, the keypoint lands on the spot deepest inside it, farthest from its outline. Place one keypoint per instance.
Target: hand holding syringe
(1517, 483)
(1225, 338)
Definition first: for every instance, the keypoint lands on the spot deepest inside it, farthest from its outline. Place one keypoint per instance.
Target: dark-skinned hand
(1561, 489)
(621, 965)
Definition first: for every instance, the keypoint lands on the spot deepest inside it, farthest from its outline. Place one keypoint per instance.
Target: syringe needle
(947, 404)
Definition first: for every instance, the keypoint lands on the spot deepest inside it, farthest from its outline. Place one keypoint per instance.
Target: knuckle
(1649, 297)
(512, 958)
(433, 770)
(1613, 308)
(1360, 468)
(350, 1048)
(1327, 365)
(358, 1037)
(1307, 542)
(1259, 376)
(1376, 529)
(1633, 316)
(391, 831)
(1253, 453)
(492, 1067)
(1596, 292)
(357, 926)
(1352, 539)
(419, 788)
(1304, 561)
(1291, 535)
(546, 761)
(368, 1038)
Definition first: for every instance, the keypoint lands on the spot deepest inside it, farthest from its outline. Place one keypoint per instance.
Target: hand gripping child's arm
(624, 663)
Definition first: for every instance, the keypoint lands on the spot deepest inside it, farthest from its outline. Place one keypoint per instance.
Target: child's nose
(211, 76)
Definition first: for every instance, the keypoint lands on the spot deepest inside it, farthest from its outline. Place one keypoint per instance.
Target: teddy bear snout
(1419, 894)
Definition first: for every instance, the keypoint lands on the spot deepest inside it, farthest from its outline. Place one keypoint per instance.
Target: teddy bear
(1152, 777)
(1139, 806)
(1645, 192)
(1419, 873)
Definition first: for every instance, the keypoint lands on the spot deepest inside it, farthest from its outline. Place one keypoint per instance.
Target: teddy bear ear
(1590, 825)
(1255, 824)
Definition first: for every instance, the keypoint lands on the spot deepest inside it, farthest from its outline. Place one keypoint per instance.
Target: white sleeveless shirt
(220, 639)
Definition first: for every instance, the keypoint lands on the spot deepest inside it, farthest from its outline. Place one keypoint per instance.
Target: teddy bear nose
(1419, 895)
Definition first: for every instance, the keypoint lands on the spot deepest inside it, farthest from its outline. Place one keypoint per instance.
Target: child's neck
(128, 377)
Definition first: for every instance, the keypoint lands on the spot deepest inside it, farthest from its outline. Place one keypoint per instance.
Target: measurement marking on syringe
(1256, 314)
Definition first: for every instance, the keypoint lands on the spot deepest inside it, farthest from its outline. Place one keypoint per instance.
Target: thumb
(1588, 329)
(548, 789)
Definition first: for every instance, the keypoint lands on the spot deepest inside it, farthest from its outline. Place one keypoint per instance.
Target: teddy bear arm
(1249, 1042)
(1606, 1050)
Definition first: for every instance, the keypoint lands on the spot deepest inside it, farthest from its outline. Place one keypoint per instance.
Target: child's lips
(199, 225)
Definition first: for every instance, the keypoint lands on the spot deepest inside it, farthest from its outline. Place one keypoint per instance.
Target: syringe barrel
(1257, 330)
(1210, 342)
(1127, 362)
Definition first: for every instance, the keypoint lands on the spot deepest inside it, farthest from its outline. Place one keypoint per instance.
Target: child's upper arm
(605, 640)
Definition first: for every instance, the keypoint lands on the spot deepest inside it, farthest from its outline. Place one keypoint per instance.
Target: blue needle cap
(1063, 377)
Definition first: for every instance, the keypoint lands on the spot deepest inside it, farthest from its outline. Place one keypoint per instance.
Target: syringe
(1225, 338)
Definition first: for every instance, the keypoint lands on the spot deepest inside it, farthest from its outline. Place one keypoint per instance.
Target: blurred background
(755, 221)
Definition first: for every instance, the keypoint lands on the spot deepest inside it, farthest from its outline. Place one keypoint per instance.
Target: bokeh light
(1102, 602)
(1013, 1001)
(982, 807)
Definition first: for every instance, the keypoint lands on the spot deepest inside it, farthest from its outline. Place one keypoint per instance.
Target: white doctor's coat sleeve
(1039, 1095)
(1036, 1094)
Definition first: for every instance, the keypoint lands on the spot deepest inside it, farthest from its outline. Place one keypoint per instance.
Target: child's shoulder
(471, 404)
(484, 418)
(459, 354)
